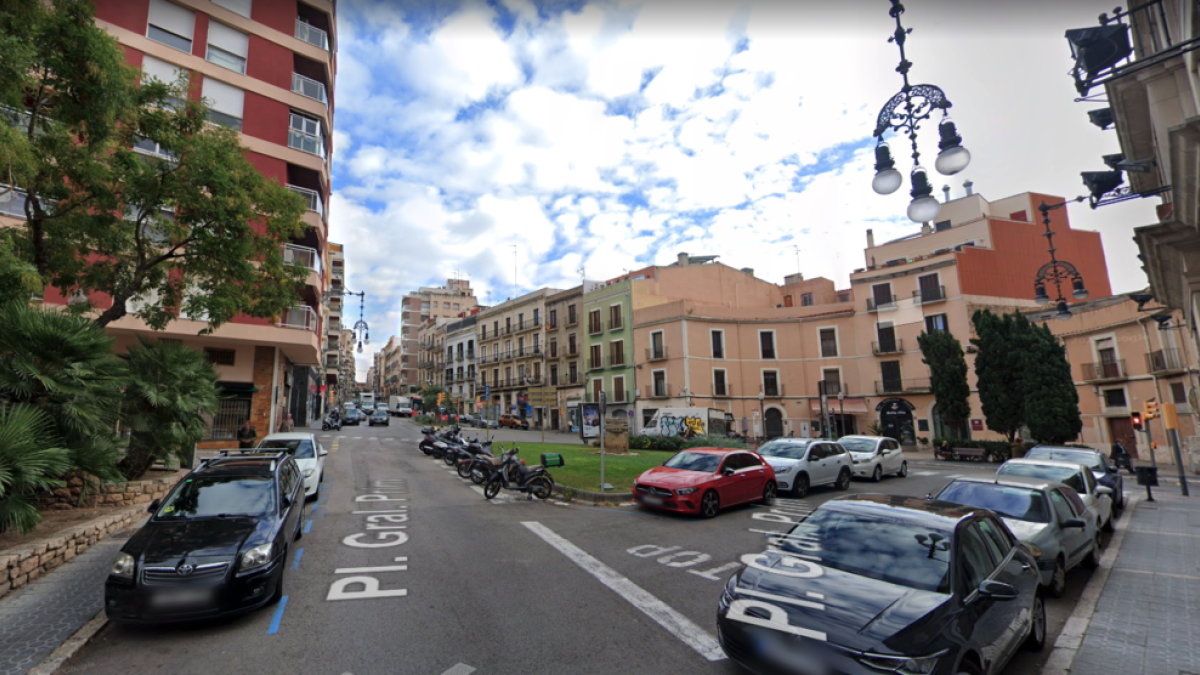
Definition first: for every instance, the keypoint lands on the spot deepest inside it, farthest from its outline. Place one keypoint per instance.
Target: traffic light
(1153, 410)
(441, 398)
(1136, 418)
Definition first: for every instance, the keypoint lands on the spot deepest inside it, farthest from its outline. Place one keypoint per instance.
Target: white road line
(679, 625)
(925, 473)
(460, 669)
(501, 498)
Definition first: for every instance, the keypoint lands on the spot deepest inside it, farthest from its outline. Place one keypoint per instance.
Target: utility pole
(797, 250)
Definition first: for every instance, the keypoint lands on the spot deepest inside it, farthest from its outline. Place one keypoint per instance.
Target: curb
(1071, 638)
(593, 497)
(59, 657)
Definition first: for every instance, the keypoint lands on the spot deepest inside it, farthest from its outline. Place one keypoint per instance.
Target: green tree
(192, 227)
(998, 372)
(172, 390)
(429, 397)
(19, 281)
(29, 462)
(943, 353)
(1051, 399)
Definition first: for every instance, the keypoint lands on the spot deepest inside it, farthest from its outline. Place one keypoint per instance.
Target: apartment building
(511, 355)
(432, 339)
(565, 359)
(332, 320)
(448, 301)
(607, 311)
(348, 368)
(391, 368)
(459, 375)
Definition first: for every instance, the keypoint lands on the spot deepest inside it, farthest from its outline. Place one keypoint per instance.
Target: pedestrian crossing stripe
(925, 473)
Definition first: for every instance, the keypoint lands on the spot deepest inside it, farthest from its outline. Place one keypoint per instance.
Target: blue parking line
(278, 616)
(299, 552)
(317, 512)
(307, 526)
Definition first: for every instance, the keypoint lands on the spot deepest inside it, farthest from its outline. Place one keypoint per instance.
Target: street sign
(631, 413)
(487, 392)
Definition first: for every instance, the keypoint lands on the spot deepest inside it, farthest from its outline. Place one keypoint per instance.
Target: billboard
(590, 428)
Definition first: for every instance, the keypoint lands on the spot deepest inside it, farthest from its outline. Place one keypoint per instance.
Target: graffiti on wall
(687, 427)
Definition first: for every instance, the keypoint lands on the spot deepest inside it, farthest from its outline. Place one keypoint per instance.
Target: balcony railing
(618, 396)
(616, 361)
(881, 304)
(306, 86)
(572, 321)
(1095, 372)
(301, 137)
(595, 328)
(775, 391)
(902, 386)
(311, 34)
(335, 328)
(552, 325)
(572, 351)
(616, 324)
(507, 354)
(656, 354)
(722, 391)
(295, 254)
(1164, 360)
(923, 296)
(887, 347)
(660, 390)
(12, 201)
(312, 199)
(470, 355)
(595, 364)
(302, 318)
(528, 325)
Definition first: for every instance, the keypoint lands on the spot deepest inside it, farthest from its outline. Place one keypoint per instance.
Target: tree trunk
(113, 313)
(138, 458)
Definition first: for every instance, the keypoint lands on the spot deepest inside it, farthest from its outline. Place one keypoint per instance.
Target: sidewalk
(1146, 618)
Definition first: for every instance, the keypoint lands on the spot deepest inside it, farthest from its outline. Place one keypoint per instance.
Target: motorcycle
(436, 443)
(475, 452)
(331, 423)
(512, 474)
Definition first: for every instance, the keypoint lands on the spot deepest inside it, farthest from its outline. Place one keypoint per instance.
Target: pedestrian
(944, 450)
(1120, 457)
(287, 424)
(247, 435)
(1018, 448)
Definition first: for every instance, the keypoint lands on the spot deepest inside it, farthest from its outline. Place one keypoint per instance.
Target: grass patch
(582, 465)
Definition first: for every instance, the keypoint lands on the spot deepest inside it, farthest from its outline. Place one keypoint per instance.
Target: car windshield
(784, 449)
(858, 444)
(212, 496)
(380, 413)
(694, 461)
(875, 546)
(1072, 478)
(1090, 459)
(300, 448)
(1021, 503)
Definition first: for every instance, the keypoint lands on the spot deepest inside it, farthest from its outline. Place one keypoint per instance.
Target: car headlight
(904, 665)
(123, 566)
(309, 472)
(1035, 550)
(256, 557)
(686, 491)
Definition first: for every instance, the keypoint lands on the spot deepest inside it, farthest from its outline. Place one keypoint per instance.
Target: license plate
(653, 501)
(174, 599)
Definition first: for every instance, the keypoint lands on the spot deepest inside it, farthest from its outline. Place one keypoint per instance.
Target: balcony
(881, 304)
(918, 386)
(532, 324)
(595, 328)
(572, 321)
(311, 34)
(660, 390)
(924, 296)
(595, 364)
(304, 134)
(572, 351)
(618, 396)
(616, 361)
(306, 86)
(887, 347)
(616, 324)
(656, 354)
(1105, 371)
(552, 325)
(12, 201)
(295, 254)
(775, 391)
(722, 391)
(312, 201)
(301, 318)
(1165, 362)
(470, 355)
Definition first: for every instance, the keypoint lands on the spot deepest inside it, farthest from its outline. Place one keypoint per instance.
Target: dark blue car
(1106, 473)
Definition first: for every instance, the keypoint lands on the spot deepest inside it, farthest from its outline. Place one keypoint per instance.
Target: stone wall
(109, 494)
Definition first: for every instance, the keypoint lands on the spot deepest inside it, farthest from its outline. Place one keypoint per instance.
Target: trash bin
(1147, 475)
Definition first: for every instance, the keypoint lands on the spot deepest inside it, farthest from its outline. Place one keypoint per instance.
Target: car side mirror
(153, 506)
(727, 472)
(324, 452)
(287, 501)
(1112, 468)
(1074, 522)
(1104, 490)
(997, 590)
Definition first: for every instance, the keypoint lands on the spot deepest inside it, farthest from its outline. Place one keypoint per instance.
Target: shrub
(29, 462)
(424, 420)
(715, 442)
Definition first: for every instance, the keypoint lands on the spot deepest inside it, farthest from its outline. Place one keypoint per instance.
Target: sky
(525, 144)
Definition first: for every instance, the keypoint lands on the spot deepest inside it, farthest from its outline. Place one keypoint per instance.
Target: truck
(400, 405)
(366, 401)
(687, 422)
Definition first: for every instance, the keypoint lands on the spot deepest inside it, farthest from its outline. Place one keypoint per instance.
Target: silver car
(800, 464)
(1048, 517)
(1096, 497)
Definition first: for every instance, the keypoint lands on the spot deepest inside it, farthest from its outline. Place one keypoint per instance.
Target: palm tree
(29, 463)
(171, 390)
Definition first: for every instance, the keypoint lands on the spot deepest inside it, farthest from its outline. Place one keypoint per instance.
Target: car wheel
(769, 492)
(843, 481)
(903, 473)
(278, 595)
(1037, 632)
(1058, 581)
(801, 487)
(710, 504)
(968, 668)
(1092, 561)
(1109, 526)
(877, 475)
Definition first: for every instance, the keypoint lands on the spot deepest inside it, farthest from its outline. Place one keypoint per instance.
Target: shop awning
(853, 406)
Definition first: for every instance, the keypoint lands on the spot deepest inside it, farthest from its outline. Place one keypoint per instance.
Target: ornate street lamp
(1057, 271)
(360, 328)
(905, 112)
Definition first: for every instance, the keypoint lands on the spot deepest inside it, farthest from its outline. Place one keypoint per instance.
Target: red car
(705, 480)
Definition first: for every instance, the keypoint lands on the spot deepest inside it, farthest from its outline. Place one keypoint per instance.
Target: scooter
(331, 424)
(468, 456)
(514, 475)
(436, 443)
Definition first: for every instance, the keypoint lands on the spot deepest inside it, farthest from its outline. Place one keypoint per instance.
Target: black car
(378, 417)
(1106, 473)
(216, 545)
(871, 584)
(353, 416)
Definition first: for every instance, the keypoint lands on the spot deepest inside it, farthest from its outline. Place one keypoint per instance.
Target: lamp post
(905, 111)
(360, 328)
(1057, 271)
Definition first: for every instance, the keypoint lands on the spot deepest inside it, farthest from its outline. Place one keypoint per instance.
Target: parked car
(885, 584)
(404, 412)
(469, 420)
(514, 422)
(803, 463)
(216, 545)
(875, 456)
(379, 417)
(353, 416)
(308, 453)
(1048, 516)
(706, 480)
(1096, 497)
(1106, 473)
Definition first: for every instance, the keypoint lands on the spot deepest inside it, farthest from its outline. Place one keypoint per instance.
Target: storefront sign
(976, 425)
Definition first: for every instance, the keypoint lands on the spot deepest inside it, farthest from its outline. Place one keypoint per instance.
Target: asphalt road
(509, 586)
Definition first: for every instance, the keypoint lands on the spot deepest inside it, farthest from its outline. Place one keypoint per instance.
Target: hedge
(677, 443)
(1001, 449)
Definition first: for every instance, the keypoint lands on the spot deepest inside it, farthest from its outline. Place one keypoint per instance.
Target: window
(553, 348)
(231, 412)
(496, 377)
(614, 318)
(975, 559)
(616, 350)
(1179, 393)
(719, 386)
(1062, 508)
(594, 321)
(771, 383)
(520, 346)
(157, 69)
(483, 332)
(657, 350)
(766, 343)
(236, 6)
(305, 134)
(553, 318)
(536, 316)
(521, 320)
(597, 360)
(537, 347)
(718, 344)
(553, 375)
(225, 103)
(1114, 398)
(806, 300)
(829, 342)
(881, 295)
(171, 25)
(537, 371)
(844, 296)
(936, 322)
(221, 357)
(496, 327)
(929, 288)
(571, 344)
(660, 383)
(833, 380)
(573, 370)
(571, 319)
(619, 389)
(227, 47)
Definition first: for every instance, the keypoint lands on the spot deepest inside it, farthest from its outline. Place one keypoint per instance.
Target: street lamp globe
(1080, 292)
(924, 206)
(887, 181)
(953, 156)
(1040, 295)
(1064, 311)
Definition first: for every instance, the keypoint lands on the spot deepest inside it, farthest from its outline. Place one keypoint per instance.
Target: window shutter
(160, 70)
(224, 37)
(171, 17)
(236, 6)
(224, 98)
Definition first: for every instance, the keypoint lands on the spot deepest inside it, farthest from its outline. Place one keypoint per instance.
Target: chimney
(968, 184)
(870, 238)
(946, 190)
(683, 260)
(748, 270)
(793, 279)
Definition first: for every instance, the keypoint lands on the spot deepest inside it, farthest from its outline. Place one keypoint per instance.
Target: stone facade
(134, 492)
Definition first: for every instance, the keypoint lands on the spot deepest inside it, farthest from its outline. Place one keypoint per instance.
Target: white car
(875, 456)
(1078, 477)
(801, 463)
(308, 453)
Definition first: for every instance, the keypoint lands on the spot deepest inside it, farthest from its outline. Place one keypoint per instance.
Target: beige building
(565, 365)
(431, 336)
(449, 301)
(512, 358)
